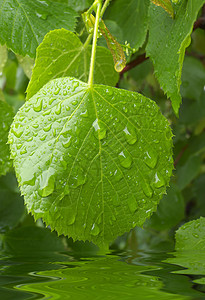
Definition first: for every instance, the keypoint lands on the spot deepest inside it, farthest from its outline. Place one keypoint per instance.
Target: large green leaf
(132, 18)
(92, 162)
(62, 54)
(168, 39)
(23, 23)
(6, 118)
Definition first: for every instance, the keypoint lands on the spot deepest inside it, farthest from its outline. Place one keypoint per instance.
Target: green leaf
(169, 212)
(27, 64)
(192, 82)
(166, 4)
(6, 118)
(3, 57)
(190, 246)
(12, 207)
(23, 23)
(167, 42)
(132, 18)
(187, 172)
(62, 54)
(78, 5)
(92, 162)
(32, 239)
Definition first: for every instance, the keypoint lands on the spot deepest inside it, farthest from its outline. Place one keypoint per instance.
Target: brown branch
(180, 155)
(137, 61)
(200, 23)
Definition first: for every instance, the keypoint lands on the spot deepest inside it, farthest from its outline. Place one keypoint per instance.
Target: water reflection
(53, 275)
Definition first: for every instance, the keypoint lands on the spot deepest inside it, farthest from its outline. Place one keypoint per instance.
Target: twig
(137, 61)
(180, 155)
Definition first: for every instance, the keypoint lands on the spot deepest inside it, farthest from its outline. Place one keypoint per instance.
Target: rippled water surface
(53, 275)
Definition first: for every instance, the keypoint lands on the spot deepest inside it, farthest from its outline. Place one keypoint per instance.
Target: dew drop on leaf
(125, 159)
(38, 105)
(119, 66)
(130, 135)
(159, 180)
(150, 159)
(47, 184)
(95, 230)
(147, 189)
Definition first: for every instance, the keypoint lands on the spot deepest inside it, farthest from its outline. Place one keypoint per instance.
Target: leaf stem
(105, 5)
(87, 42)
(95, 37)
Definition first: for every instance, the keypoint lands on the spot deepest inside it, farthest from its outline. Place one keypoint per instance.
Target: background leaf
(12, 207)
(3, 57)
(132, 18)
(62, 54)
(23, 23)
(99, 158)
(6, 118)
(170, 211)
(167, 49)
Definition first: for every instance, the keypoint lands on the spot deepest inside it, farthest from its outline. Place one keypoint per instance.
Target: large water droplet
(100, 129)
(119, 66)
(150, 159)
(132, 204)
(47, 184)
(17, 131)
(79, 179)
(159, 180)
(67, 143)
(58, 109)
(47, 128)
(95, 230)
(38, 105)
(71, 217)
(125, 159)
(147, 189)
(130, 134)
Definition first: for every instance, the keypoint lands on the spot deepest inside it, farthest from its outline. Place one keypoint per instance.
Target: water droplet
(147, 189)
(79, 179)
(47, 128)
(117, 176)
(57, 90)
(67, 107)
(67, 143)
(71, 216)
(132, 204)
(65, 93)
(58, 109)
(150, 159)
(195, 235)
(125, 159)
(74, 102)
(84, 114)
(43, 137)
(159, 180)
(100, 129)
(17, 131)
(47, 184)
(38, 105)
(95, 230)
(23, 151)
(119, 66)
(130, 134)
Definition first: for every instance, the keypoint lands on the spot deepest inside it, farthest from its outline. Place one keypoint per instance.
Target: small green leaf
(191, 236)
(132, 18)
(62, 54)
(3, 57)
(167, 42)
(27, 64)
(190, 246)
(23, 23)
(166, 4)
(92, 162)
(6, 118)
